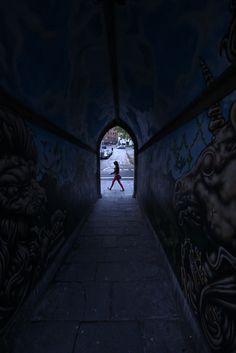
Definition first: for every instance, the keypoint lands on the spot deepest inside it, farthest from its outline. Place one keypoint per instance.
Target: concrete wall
(46, 187)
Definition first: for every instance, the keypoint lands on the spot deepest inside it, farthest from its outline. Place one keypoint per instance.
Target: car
(105, 152)
(122, 146)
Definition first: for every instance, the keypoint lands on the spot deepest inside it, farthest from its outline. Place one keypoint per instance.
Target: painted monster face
(206, 196)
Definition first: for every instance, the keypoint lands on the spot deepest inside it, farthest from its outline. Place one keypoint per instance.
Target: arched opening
(117, 143)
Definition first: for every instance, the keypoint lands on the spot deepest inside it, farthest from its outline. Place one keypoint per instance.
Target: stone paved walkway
(112, 294)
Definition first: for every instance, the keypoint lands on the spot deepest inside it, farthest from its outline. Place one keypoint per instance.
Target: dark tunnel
(117, 176)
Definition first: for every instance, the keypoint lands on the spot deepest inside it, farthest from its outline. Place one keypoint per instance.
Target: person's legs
(122, 187)
(114, 179)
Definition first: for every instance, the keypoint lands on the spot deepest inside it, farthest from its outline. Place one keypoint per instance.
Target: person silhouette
(117, 176)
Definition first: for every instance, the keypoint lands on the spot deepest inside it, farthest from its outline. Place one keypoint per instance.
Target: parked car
(121, 146)
(105, 152)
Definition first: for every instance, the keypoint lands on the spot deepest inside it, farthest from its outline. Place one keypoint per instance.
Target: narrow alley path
(112, 294)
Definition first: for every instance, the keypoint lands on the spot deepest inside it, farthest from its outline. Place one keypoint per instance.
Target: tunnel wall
(47, 185)
(186, 185)
(47, 61)
(160, 43)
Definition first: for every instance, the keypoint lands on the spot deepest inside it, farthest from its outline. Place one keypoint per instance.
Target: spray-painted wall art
(205, 205)
(45, 190)
(188, 189)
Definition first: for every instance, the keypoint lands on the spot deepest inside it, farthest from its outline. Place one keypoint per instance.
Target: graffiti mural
(21, 198)
(205, 199)
(191, 182)
(36, 211)
(207, 194)
(209, 283)
(194, 217)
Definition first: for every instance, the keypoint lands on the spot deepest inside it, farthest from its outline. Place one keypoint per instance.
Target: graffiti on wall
(24, 247)
(192, 185)
(37, 213)
(205, 201)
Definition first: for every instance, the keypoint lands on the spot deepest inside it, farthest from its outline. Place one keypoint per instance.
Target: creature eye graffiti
(208, 164)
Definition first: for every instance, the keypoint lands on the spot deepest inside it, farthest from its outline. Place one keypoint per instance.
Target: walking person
(117, 176)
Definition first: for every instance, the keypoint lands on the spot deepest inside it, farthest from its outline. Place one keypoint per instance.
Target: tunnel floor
(112, 294)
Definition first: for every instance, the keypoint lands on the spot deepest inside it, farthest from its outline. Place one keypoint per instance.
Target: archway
(120, 144)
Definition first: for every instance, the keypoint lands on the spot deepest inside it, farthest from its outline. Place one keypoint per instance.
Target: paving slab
(63, 301)
(47, 337)
(113, 254)
(115, 225)
(77, 272)
(122, 230)
(114, 241)
(142, 300)
(168, 336)
(107, 216)
(129, 241)
(130, 271)
(98, 301)
(117, 337)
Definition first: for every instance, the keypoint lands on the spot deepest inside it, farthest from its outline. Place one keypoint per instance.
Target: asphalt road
(120, 155)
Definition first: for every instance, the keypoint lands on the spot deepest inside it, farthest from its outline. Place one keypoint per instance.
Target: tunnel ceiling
(84, 63)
